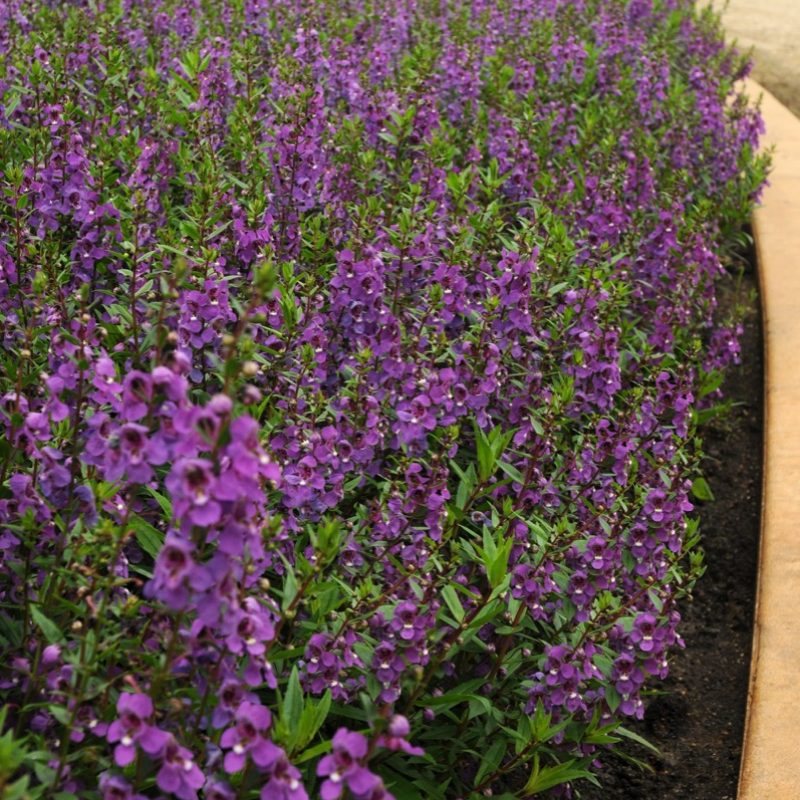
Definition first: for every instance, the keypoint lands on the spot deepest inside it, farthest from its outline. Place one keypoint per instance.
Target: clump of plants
(353, 354)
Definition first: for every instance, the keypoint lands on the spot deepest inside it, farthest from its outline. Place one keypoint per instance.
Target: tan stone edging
(770, 766)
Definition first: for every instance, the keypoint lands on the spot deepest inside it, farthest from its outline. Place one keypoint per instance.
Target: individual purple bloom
(248, 457)
(655, 505)
(284, 782)
(137, 452)
(179, 774)
(174, 568)
(377, 792)
(218, 790)
(137, 392)
(407, 622)
(396, 737)
(248, 738)
(133, 729)
(251, 628)
(105, 377)
(231, 696)
(343, 766)
(115, 787)
(51, 655)
(87, 721)
(37, 425)
(192, 484)
(86, 504)
(646, 634)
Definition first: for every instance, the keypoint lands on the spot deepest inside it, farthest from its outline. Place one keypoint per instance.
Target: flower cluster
(353, 355)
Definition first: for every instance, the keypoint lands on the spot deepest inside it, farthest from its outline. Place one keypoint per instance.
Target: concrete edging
(770, 766)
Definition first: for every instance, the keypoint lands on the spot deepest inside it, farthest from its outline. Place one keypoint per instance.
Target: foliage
(352, 358)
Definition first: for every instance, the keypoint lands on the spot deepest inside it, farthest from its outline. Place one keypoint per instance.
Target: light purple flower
(179, 774)
(343, 766)
(247, 738)
(132, 729)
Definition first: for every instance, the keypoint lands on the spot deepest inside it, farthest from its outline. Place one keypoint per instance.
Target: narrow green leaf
(150, 539)
(292, 702)
(49, 628)
(453, 603)
(164, 502)
(491, 759)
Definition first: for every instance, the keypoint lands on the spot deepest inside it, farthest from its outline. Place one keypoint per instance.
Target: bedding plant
(353, 357)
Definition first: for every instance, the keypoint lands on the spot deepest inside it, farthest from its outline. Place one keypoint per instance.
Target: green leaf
(512, 472)
(150, 539)
(289, 588)
(293, 700)
(17, 790)
(401, 787)
(498, 569)
(61, 713)
(491, 759)
(312, 719)
(49, 628)
(634, 737)
(612, 698)
(701, 490)
(453, 603)
(164, 502)
(313, 752)
(465, 487)
(543, 778)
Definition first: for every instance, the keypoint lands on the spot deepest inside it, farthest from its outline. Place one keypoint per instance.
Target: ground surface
(772, 29)
(698, 723)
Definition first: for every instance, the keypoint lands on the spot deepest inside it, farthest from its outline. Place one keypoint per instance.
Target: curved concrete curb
(770, 765)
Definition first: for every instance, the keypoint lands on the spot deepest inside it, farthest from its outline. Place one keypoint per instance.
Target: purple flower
(179, 774)
(133, 729)
(343, 766)
(114, 787)
(407, 623)
(192, 484)
(646, 633)
(137, 392)
(173, 572)
(218, 790)
(284, 782)
(248, 738)
(251, 628)
(396, 737)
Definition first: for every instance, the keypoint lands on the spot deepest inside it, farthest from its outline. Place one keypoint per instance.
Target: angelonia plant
(353, 356)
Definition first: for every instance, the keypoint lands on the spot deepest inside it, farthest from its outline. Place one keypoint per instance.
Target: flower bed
(353, 358)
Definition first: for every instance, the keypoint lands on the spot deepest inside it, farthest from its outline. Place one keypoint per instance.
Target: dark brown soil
(698, 722)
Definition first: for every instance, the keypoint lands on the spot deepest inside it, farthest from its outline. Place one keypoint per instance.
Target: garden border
(769, 766)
